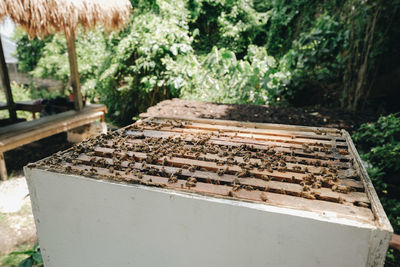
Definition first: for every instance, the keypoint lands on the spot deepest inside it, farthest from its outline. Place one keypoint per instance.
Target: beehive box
(181, 192)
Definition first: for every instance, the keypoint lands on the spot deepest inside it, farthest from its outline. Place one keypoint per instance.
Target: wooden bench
(29, 105)
(22, 133)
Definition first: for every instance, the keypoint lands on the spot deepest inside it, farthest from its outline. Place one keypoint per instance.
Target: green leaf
(28, 262)
(25, 252)
(37, 257)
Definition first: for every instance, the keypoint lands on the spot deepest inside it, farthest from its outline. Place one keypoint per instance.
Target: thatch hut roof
(43, 17)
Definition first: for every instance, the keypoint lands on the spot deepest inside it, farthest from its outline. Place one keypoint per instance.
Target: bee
(192, 168)
(266, 177)
(236, 187)
(185, 166)
(220, 172)
(296, 168)
(322, 171)
(306, 188)
(248, 187)
(230, 193)
(162, 170)
(111, 169)
(191, 182)
(361, 204)
(343, 189)
(263, 196)
(284, 169)
(340, 200)
(172, 180)
(243, 173)
(316, 185)
(165, 161)
(139, 175)
(308, 195)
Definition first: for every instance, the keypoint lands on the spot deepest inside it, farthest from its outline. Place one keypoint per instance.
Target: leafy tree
(136, 77)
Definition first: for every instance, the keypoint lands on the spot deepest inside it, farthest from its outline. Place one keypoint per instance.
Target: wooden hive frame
(308, 168)
(353, 192)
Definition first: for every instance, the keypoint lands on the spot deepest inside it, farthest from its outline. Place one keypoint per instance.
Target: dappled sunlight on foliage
(259, 52)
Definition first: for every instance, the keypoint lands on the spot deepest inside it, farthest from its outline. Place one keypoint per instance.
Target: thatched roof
(43, 17)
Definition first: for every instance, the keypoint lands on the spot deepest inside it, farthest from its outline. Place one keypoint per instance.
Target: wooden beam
(5, 82)
(74, 75)
(3, 168)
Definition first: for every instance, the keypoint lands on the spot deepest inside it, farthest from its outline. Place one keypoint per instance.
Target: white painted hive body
(168, 192)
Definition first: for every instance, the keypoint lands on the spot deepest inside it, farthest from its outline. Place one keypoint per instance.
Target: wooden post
(3, 168)
(5, 82)
(74, 76)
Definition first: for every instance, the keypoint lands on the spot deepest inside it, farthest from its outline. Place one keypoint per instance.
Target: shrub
(221, 77)
(136, 78)
(379, 144)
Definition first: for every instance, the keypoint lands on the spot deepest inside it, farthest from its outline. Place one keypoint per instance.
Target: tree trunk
(357, 75)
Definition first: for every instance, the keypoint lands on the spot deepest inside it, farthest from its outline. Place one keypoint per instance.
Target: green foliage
(24, 258)
(221, 77)
(273, 52)
(20, 93)
(379, 143)
(91, 52)
(136, 77)
(28, 51)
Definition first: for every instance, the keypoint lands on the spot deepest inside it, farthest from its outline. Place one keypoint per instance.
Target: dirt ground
(312, 116)
(17, 226)
(16, 220)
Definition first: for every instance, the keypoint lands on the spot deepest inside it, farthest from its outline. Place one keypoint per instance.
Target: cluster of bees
(131, 152)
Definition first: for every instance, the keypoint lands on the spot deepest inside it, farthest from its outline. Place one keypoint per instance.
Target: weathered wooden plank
(48, 128)
(3, 168)
(274, 126)
(27, 126)
(316, 135)
(277, 140)
(74, 74)
(376, 206)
